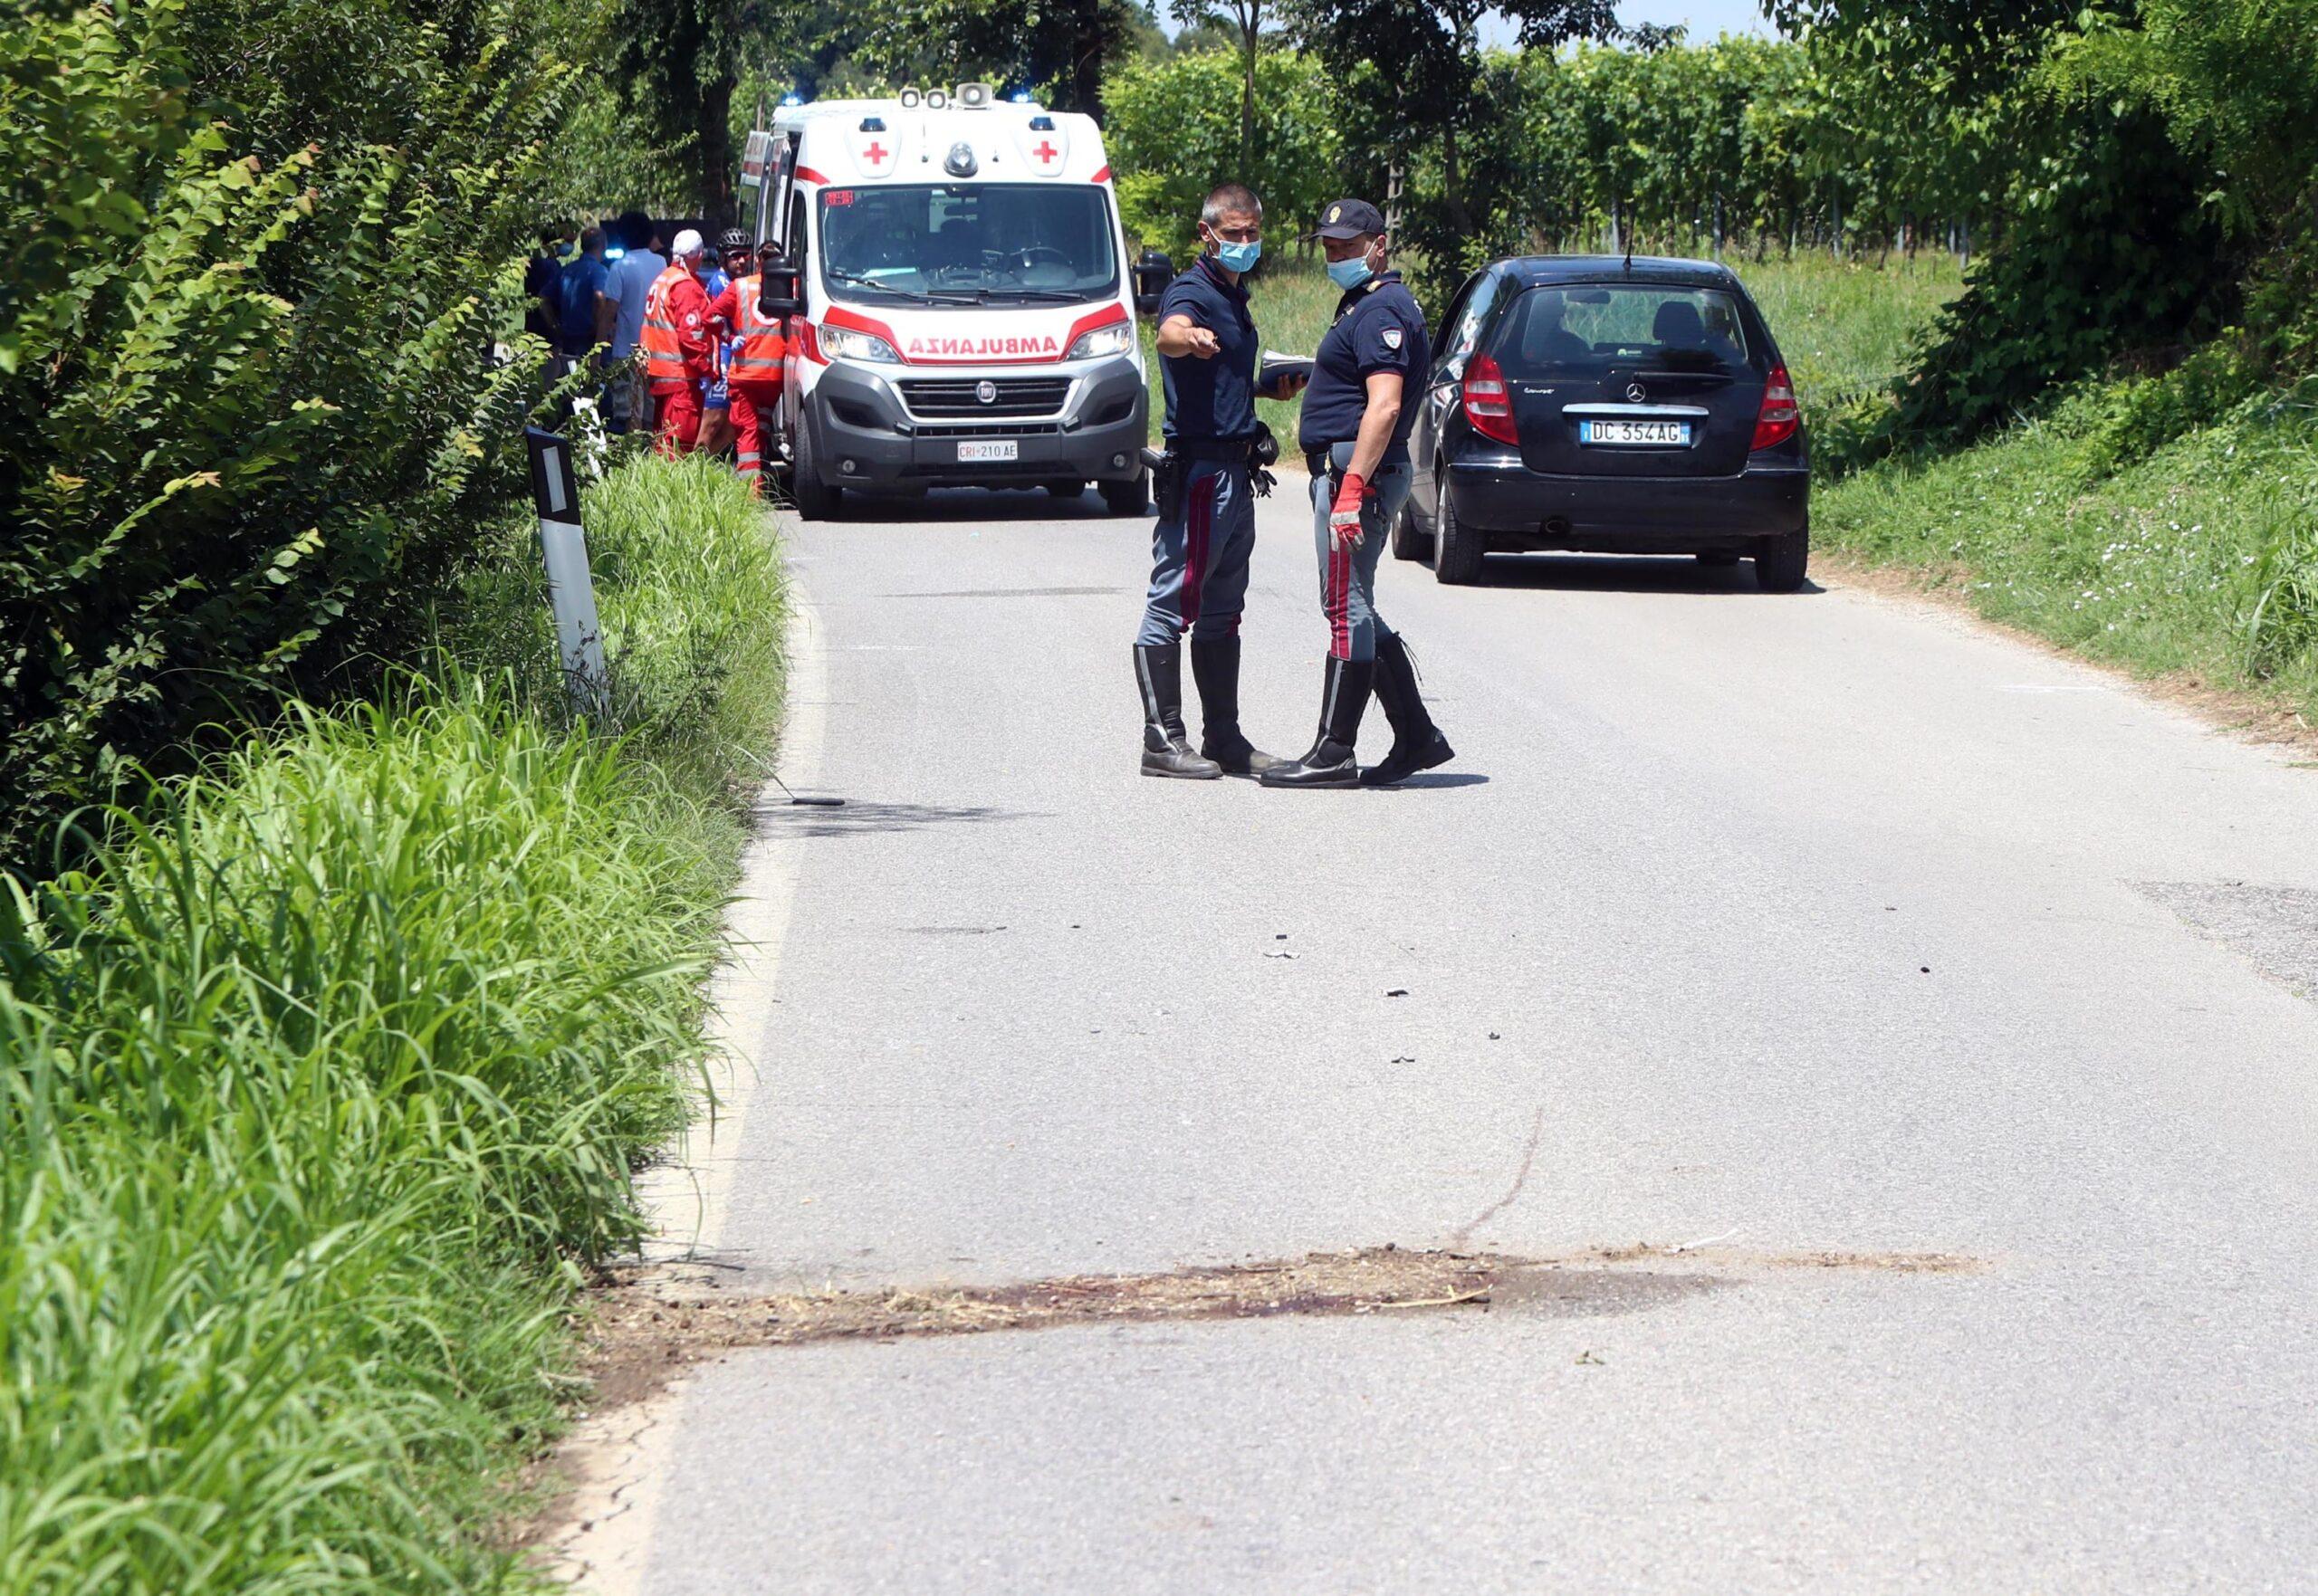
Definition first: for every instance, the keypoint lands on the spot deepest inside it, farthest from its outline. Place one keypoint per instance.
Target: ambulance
(964, 304)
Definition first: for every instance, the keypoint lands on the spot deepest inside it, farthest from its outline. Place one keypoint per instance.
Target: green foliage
(254, 411)
(2195, 557)
(1172, 130)
(320, 1074)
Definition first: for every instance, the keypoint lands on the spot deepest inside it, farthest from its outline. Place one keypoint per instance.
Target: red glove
(1343, 516)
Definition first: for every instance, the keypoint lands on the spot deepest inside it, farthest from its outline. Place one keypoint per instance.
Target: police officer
(1207, 526)
(1355, 434)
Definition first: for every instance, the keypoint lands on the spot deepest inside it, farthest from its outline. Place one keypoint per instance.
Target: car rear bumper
(1517, 508)
(864, 437)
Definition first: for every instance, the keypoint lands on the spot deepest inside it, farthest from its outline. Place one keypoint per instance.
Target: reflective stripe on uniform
(664, 359)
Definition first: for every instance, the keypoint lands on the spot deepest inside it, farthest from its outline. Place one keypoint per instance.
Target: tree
(1056, 47)
(678, 62)
(1245, 20)
(1418, 64)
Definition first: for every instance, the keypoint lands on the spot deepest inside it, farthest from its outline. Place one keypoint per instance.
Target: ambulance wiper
(859, 281)
(1052, 296)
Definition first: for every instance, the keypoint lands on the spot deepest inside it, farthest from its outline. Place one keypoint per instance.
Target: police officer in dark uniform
(1215, 452)
(1355, 435)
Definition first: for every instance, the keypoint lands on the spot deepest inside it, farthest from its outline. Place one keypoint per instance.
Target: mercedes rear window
(1584, 327)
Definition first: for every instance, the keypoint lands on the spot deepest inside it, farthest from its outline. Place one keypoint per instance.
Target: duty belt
(1230, 451)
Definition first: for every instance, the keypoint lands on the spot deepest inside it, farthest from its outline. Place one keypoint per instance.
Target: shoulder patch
(1393, 338)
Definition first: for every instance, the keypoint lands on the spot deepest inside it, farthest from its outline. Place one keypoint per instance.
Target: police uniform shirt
(1378, 328)
(1214, 399)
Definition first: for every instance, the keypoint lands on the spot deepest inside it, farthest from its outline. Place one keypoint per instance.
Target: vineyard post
(1717, 224)
(1836, 225)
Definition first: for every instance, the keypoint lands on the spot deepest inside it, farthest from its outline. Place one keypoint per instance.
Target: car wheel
(1408, 543)
(1129, 497)
(1456, 547)
(1066, 487)
(1782, 562)
(816, 500)
(1718, 559)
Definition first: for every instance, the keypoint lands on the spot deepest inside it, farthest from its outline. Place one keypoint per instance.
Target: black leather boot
(1215, 666)
(1417, 742)
(1329, 763)
(1167, 750)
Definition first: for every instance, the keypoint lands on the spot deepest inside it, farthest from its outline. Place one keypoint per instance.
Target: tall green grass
(329, 1073)
(2198, 557)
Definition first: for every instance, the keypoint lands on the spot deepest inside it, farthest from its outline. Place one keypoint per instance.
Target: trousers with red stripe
(1199, 559)
(1348, 575)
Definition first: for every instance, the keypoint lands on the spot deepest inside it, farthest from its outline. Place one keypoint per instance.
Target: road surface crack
(1463, 1234)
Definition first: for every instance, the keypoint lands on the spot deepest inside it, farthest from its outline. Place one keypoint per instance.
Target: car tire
(1457, 547)
(1781, 563)
(815, 499)
(1718, 559)
(1066, 487)
(1407, 542)
(1130, 497)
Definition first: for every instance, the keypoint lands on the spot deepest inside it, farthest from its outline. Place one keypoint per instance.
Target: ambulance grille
(1015, 395)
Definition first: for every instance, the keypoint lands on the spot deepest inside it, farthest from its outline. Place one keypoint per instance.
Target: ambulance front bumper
(901, 429)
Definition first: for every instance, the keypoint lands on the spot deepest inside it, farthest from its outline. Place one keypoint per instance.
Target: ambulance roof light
(1042, 124)
(873, 124)
(1024, 97)
(789, 100)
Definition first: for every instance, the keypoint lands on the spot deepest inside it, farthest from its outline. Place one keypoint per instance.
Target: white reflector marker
(571, 590)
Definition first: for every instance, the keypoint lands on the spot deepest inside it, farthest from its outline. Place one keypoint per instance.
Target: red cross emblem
(875, 152)
(1046, 152)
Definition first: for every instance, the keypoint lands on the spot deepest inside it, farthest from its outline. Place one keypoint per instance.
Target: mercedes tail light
(1776, 422)
(1488, 403)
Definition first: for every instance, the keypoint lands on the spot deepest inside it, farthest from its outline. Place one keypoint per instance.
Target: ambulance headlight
(1104, 340)
(843, 343)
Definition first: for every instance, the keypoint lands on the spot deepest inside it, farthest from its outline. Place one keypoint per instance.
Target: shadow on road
(952, 504)
(1627, 573)
(858, 818)
(1439, 779)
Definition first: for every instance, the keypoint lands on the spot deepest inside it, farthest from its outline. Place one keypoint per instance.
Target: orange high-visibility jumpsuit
(679, 354)
(753, 376)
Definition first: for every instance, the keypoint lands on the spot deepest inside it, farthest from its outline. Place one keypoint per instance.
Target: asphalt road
(1782, 924)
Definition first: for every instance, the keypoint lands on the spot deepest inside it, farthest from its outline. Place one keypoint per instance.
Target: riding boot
(1329, 761)
(1215, 666)
(1167, 748)
(1417, 742)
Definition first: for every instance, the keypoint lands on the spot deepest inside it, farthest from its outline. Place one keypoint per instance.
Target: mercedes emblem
(1636, 393)
(987, 392)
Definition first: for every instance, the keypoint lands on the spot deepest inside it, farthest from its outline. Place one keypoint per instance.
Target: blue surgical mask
(1239, 257)
(1350, 274)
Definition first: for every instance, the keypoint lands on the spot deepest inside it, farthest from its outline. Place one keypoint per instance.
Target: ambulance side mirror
(1152, 273)
(782, 292)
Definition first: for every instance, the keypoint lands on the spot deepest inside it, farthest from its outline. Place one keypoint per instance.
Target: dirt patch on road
(648, 1324)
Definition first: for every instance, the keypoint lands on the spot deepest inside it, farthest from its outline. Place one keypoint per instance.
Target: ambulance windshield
(972, 244)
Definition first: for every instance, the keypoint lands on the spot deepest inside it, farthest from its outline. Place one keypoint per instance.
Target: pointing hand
(1202, 342)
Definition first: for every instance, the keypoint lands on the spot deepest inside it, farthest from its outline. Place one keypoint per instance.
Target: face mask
(1239, 257)
(1350, 274)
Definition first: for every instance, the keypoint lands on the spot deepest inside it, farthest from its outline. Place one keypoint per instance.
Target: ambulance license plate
(990, 449)
(1647, 434)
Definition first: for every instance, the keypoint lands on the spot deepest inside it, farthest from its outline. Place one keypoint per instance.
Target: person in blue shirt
(577, 288)
(1355, 434)
(1206, 529)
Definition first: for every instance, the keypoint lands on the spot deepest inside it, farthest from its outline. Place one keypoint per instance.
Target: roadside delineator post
(571, 591)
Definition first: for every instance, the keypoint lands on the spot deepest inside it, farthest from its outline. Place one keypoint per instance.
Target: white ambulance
(965, 307)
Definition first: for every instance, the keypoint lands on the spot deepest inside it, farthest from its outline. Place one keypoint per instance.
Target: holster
(1168, 475)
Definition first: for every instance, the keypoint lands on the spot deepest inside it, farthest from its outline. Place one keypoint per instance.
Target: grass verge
(2196, 561)
(327, 1077)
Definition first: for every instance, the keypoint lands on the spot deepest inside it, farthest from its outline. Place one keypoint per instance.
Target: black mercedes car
(1592, 402)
